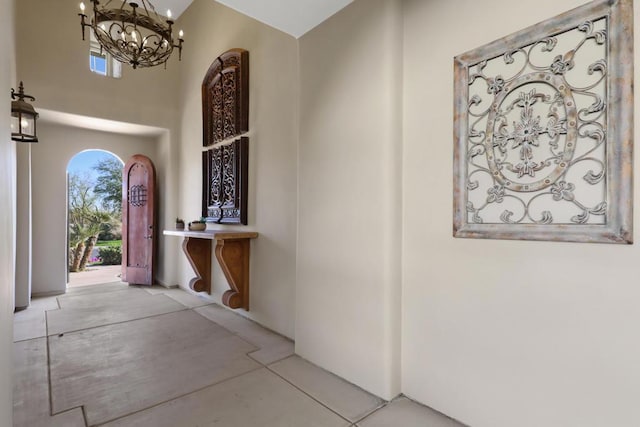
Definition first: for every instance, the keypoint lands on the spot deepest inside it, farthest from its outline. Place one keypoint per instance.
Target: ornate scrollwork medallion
(543, 128)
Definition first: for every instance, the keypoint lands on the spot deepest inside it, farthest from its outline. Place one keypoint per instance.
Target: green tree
(109, 184)
(86, 220)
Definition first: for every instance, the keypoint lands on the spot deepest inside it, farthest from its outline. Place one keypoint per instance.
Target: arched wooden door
(138, 220)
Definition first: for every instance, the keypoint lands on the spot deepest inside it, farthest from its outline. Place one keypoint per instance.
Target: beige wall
(348, 281)
(23, 226)
(50, 158)
(211, 29)
(502, 333)
(54, 65)
(55, 70)
(7, 213)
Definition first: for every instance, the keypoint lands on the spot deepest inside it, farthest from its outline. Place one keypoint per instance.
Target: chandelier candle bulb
(169, 13)
(82, 7)
(181, 34)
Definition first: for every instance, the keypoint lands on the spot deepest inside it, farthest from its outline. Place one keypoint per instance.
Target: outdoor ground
(95, 275)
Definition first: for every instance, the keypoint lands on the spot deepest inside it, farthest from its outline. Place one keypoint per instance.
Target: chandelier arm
(179, 46)
(144, 5)
(83, 23)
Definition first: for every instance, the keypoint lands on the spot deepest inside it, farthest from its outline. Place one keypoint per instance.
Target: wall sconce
(23, 117)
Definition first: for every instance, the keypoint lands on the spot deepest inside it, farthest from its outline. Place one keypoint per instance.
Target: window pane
(98, 63)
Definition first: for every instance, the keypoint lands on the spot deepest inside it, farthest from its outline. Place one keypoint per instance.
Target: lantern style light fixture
(23, 117)
(133, 33)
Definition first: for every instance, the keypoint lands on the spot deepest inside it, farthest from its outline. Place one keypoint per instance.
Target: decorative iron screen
(543, 130)
(138, 195)
(225, 97)
(225, 186)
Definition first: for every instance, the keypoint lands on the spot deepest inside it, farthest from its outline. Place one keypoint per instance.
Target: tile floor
(113, 355)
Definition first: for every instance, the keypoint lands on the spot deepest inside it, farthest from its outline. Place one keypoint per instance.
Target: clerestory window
(101, 62)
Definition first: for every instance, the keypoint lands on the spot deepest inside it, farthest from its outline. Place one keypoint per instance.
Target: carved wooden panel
(225, 97)
(224, 187)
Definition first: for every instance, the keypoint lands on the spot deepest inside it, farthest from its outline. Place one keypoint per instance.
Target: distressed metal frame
(618, 223)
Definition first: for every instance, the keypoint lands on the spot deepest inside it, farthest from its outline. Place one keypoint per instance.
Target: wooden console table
(232, 252)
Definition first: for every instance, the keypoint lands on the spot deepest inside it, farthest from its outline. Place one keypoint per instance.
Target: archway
(94, 218)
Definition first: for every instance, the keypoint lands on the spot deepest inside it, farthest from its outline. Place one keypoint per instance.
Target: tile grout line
(49, 381)
(116, 323)
(87, 295)
(242, 318)
(260, 366)
(237, 334)
(245, 339)
(364, 417)
(46, 329)
(272, 362)
(47, 334)
(75, 294)
(90, 285)
(404, 396)
(232, 333)
(46, 323)
(186, 308)
(182, 395)
(84, 416)
(191, 308)
(30, 339)
(307, 394)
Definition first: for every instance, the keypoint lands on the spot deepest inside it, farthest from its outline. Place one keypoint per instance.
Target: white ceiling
(176, 6)
(294, 17)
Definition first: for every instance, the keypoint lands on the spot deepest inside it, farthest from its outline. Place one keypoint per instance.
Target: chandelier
(133, 33)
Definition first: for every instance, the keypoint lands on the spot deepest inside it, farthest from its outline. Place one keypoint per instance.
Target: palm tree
(86, 220)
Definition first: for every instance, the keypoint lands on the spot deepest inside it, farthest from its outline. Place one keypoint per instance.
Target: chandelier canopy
(133, 33)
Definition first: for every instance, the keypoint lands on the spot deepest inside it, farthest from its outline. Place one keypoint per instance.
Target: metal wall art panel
(225, 182)
(543, 130)
(225, 97)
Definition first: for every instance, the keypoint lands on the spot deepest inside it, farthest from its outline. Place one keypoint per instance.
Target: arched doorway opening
(94, 218)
